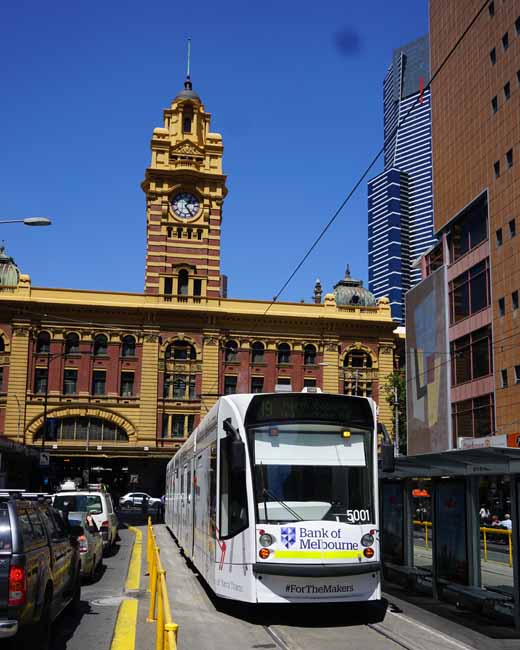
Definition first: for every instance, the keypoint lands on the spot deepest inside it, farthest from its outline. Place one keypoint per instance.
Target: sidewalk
(201, 625)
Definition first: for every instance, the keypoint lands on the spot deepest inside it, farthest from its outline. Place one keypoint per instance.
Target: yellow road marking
(133, 577)
(126, 625)
(317, 555)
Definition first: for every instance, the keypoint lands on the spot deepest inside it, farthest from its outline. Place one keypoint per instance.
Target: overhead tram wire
(374, 160)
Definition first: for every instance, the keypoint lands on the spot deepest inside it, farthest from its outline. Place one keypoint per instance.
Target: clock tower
(185, 189)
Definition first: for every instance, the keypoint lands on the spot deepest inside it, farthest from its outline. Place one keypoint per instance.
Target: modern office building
(464, 362)
(116, 381)
(400, 208)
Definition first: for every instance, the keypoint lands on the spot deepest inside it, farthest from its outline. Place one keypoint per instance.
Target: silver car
(90, 544)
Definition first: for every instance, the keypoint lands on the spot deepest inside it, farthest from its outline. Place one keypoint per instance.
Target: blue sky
(295, 88)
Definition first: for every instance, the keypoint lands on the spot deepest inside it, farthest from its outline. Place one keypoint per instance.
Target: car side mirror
(75, 531)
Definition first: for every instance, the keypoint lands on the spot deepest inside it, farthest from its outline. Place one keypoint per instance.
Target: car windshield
(312, 472)
(79, 503)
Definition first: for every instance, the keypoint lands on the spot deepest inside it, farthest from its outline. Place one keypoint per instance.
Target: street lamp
(30, 221)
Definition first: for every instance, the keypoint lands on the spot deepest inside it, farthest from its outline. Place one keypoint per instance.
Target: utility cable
(388, 139)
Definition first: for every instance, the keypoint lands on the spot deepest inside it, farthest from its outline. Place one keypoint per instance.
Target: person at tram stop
(495, 521)
(484, 513)
(506, 522)
(144, 505)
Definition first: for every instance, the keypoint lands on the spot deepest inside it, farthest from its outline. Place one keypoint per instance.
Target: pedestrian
(506, 522)
(144, 505)
(484, 513)
(162, 507)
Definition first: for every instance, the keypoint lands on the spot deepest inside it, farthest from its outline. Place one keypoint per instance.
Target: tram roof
(457, 462)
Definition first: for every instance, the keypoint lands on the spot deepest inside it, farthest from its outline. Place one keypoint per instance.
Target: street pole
(46, 399)
(396, 435)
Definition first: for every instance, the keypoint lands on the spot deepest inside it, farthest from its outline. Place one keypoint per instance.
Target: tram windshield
(312, 471)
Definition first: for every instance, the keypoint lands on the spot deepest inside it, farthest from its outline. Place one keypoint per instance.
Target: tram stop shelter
(433, 539)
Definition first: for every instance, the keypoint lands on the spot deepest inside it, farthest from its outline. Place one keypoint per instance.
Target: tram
(274, 498)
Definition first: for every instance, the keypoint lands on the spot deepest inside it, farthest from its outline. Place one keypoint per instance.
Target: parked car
(97, 504)
(136, 499)
(40, 569)
(90, 544)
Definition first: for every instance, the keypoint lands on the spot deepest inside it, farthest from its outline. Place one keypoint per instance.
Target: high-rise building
(400, 209)
(464, 361)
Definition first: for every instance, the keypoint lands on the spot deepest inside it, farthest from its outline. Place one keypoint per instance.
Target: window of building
(357, 383)
(169, 231)
(70, 381)
(512, 228)
(309, 382)
(507, 91)
(127, 384)
(197, 287)
(128, 347)
(469, 229)
(40, 380)
(491, 8)
(501, 307)
(509, 158)
(183, 282)
(496, 168)
(518, 77)
(309, 355)
(72, 343)
(357, 359)
(514, 300)
(494, 104)
(181, 351)
(1, 379)
(503, 378)
(231, 352)
(257, 384)
(471, 356)
(473, 418)
(469, 292)
(100, 345)
(505, 41)
(434, 259)
(199, 234)
(284, 353)
(99, 382)
(257, 352)
(177, 425)
(498, 236)
(283, 381)
(43, 343)
(230, 384)
(517, 26)
(85, 428)
(517, 374)
(493, 56)
(168, 286)
(180, 387)
(186, 121)
(189, 233)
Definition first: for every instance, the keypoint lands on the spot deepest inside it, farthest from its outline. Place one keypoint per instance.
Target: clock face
(185, 205)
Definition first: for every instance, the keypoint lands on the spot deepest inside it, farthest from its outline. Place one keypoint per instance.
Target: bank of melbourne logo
(288, 536)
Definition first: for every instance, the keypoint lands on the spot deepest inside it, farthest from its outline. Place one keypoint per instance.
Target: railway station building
(110, 384)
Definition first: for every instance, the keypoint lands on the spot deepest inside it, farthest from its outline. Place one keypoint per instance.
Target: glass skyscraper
(400, 203)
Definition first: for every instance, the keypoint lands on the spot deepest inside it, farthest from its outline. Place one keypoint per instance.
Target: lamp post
(29, 221)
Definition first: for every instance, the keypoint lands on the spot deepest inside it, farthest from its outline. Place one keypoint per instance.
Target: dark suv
(39, 568)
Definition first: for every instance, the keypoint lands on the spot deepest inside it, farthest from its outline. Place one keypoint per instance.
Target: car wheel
(73, 606)
(44, 626)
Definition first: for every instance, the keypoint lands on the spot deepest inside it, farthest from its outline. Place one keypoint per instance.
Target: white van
(97, 504)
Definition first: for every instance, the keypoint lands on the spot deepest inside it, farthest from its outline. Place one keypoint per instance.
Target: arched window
(128, 348)
(309, 355)
(231, 351)
(357, 359)
(100, 345)
(257, 352)
(183, 283)
(2, 344)
(181, 351)
(284, 353)
(72, 343)
(82, 428)
(43, 342)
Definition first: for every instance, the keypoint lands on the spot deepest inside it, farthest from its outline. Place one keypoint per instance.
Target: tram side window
(233, 493)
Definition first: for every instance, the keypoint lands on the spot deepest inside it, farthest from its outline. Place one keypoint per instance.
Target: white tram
(274, 498)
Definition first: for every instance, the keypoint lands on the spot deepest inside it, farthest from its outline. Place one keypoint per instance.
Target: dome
(350, 291)
(9, 272)
(188, 92)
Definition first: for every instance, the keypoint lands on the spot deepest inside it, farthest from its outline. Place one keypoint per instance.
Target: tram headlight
(265, 539)
(367, 540)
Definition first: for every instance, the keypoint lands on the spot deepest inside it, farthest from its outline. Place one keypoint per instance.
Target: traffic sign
(45, 459)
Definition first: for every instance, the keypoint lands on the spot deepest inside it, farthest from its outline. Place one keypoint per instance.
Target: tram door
(189, 510)
(184, 505)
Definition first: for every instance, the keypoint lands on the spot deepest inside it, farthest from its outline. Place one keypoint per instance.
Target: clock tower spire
(185, 189)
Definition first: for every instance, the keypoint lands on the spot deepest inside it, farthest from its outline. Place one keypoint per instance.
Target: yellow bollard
(485, 544)
(159, 644)
(426, 535)
(153, 593)
(510, 538)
